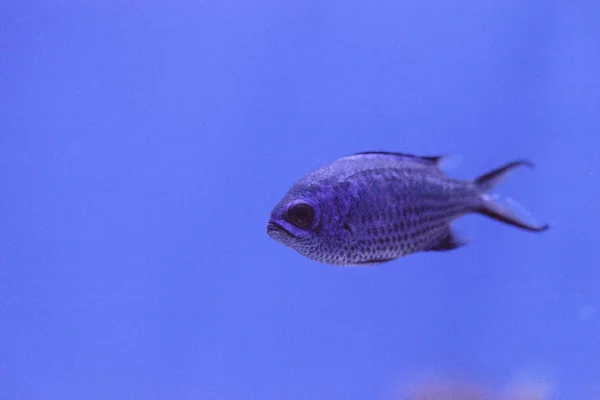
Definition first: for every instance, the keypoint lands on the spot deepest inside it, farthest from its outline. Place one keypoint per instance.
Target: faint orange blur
(454, 390)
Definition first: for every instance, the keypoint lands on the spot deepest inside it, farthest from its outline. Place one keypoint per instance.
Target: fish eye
(301, 215)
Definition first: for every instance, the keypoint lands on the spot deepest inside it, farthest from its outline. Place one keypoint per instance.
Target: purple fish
(374, 207)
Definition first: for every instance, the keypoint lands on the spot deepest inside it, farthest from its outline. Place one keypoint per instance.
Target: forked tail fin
(496, 210)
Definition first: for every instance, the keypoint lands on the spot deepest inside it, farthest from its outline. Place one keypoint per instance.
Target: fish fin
(501, 213)
(374, 261)
(487, 181)
(449, 242)
(428, 160)
(496, 210)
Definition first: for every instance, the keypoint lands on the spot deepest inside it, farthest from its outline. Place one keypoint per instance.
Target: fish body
(374, 207)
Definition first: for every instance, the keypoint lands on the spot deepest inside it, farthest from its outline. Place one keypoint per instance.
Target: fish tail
(493, 209)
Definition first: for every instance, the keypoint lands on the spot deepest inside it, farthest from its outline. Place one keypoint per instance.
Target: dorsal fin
(429, 160)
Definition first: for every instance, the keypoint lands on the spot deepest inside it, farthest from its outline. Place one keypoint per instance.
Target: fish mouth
(274, 228)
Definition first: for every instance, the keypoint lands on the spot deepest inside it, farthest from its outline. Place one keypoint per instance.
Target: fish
(374, 207)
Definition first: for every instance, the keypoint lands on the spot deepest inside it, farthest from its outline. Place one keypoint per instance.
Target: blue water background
(143, 145)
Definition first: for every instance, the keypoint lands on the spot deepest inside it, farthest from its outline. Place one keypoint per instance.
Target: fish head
(296, 221)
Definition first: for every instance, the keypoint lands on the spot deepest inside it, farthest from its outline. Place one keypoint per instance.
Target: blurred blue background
(143, 147)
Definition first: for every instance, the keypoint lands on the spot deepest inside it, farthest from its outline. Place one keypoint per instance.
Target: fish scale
(410, 203)
(374, 207)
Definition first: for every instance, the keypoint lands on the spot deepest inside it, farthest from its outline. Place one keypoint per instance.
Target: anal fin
(449, 242)
(374, 261)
